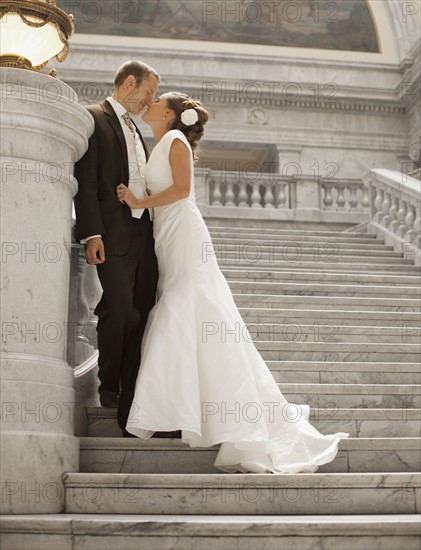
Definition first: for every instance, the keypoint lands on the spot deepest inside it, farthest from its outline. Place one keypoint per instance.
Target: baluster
(394, 213)
(208, 180)
(353, 201)
(401, 215)
(93, 291)
(282, 196)
(82, 350)
(255, 196)
(229, 195)
(417, 229)
(83, 306)
(340, 201)
(327, 199)
(216, 199)
(386, 210)
(365, 201)
(269, 197)
(409, 221)
(378, 202)
(242, 194)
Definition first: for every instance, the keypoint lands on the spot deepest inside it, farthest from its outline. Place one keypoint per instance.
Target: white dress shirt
(137, 161)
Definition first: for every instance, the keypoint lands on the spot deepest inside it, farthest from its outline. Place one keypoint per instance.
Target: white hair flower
(189, 117)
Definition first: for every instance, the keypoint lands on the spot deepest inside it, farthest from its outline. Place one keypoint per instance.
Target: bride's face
(158, 112)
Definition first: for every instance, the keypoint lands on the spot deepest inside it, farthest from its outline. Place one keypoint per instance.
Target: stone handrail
(395, 211)
(416, 174)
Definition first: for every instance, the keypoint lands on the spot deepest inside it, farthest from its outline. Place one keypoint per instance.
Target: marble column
(44, 131)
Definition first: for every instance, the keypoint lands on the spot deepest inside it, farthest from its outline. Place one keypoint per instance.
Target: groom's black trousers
(129, 293)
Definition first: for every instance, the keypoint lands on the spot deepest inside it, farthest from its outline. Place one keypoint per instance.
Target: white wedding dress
(196, 375)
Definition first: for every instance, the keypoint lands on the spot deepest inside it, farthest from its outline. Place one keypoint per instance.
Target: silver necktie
(129, 123)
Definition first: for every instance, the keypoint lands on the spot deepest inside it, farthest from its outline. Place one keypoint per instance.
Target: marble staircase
(336, 315)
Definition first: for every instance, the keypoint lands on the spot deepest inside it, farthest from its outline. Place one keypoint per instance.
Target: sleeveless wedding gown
(200, 372)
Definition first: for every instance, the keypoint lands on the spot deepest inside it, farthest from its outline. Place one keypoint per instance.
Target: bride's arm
(180, 189)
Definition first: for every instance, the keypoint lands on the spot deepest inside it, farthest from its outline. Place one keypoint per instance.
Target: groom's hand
(95, 251)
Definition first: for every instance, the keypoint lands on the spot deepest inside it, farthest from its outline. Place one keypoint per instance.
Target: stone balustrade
(344, 196)
(84, 293)
(395, 211)
(256, 190)
(299, 197)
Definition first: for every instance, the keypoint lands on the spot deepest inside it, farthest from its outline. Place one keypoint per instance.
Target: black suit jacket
(104, 166)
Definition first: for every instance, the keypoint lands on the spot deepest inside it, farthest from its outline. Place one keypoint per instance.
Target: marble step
(399, 422)
(328, 302)
(256, 256)
(171, 456)
(258, 223)
(257, 237)
(292, 251)
(371, 423)
(276, 229)
(193, 532)
(332, 351)
(257, 494)
(322, 289)
(336, 396)
(408, 321)
(321, 277)
(355, 265)
(326, 332)
(322, 351)
(325, 372)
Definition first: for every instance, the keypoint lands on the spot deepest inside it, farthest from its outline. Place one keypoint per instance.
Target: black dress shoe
(108, 402)
(108, 399)
(168, 435)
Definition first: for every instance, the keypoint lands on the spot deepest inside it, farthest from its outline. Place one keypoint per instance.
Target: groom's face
(141, 96)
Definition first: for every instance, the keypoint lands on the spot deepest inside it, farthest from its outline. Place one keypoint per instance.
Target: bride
(200, 372)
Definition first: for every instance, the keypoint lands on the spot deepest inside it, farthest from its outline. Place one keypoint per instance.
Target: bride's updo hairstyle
(179, 103)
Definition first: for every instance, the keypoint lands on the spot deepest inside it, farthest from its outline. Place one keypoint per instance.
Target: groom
(118, 239)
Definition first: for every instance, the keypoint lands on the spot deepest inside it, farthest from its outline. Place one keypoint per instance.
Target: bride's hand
(125, 196)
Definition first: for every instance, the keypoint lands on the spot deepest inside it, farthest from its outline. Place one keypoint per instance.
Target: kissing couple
(137, 215)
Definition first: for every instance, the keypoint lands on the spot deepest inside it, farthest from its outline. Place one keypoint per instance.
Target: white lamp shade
(36, 44)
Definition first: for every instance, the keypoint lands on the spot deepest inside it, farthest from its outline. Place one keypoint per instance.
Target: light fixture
(32, 32)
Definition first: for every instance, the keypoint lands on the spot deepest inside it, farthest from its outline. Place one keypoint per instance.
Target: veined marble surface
(360, 422)
(192, 532)
(245, 494)
(172, 456)
(340, 316)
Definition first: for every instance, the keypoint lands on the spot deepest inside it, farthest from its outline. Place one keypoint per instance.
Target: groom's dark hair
(136, 68)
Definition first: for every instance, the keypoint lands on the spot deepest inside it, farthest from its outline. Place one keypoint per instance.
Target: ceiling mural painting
(337, 24)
